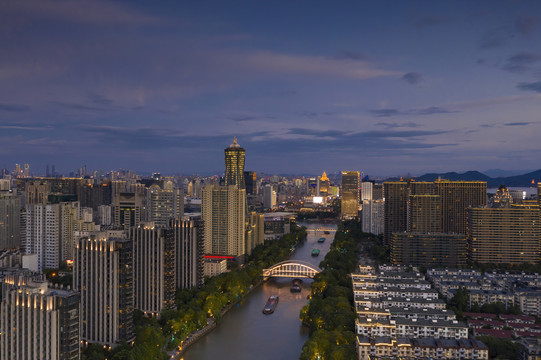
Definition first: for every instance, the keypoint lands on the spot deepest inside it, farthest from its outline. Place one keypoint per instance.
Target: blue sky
(384, 87)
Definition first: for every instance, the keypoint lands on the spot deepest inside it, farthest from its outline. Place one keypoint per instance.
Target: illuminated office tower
(103, 275)
(234, 165)
(429, 249)
(10, 219)
(153, 268)
(38, 322)
(350, 194)
(43, 234)
(504, 235)
(250, 178)
(127, 209)
(366, 190)
(324, 185)
(189, 247)
(223, 212)
(373, 215)
(424, 214)
(456, 197)
(395, 194)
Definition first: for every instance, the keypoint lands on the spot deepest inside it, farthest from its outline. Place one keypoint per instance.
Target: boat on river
(321, 240)
(271, 304)
(296, 285)
(315, 252)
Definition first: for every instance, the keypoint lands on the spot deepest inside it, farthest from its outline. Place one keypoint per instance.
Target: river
(245, 333)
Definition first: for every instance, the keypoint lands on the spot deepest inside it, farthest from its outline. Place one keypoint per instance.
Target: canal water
(245, 333)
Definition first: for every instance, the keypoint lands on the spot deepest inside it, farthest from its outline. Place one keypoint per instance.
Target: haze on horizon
(382, 87)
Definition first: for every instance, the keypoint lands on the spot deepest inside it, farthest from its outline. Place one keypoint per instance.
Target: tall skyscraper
(10, 219)
(153, 268)
(456, 197)
(250, 178)
(504, 235)
(43, 234)
(424, 214)
(38, 322)
(323, 185)
(234, 165)
(395, 194)
(189, 247)
(373, 215)
(103, 275)
(164, 204)
(350, 194)
(127, 207)
(269, 197)
(366, 190)
(223, 210)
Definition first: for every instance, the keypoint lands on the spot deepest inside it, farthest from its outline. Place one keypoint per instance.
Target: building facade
(234, 165)
(189, 249)
(350, 194)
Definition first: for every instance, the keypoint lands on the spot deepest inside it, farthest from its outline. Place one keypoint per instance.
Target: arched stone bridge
(292, 269)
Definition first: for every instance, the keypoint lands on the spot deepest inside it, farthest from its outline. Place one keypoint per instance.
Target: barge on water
(271, 304)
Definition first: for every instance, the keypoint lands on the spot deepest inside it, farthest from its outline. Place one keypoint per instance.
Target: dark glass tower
(234, 165)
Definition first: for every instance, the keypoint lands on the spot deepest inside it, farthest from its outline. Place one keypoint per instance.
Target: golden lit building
(456, 197)
(504, 235)
(324, 185)
(234, 165)
(350, 194)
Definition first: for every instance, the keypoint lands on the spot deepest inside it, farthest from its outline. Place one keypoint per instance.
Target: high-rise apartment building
(189, 250)
(10, 219)
(350, 194)
(366, 190)
(127, 208)
(269, 197)
(153, 268)
(223, 210)
(43, 234)
(38, 322)
(373, 215)
(164, 204)
(36, 192)
(255, 231)
(395, 194)
(504, 235)
(234, 165)
(456, 197)
(429, 249)
(424, 214)
(103, 274)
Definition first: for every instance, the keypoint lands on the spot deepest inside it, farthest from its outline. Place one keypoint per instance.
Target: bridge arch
(291, 268)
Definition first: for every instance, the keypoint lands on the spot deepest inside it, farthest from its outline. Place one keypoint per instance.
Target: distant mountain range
(524, 180)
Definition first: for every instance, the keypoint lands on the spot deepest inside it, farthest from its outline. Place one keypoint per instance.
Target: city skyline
(385, 88)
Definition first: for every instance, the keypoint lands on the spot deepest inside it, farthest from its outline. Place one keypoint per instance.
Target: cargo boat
(270, 305)
(315, 252)
(321, 240)
(296, 285)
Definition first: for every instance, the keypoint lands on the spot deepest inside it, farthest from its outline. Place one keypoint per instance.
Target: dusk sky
(383, 87)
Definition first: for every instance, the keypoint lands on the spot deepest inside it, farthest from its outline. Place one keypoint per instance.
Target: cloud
(412, 78)
(28, 128)
(518, 123)
(423, 111)
(521, 62)
(77, 106)
(492, 40)
(527, 24)
(533, 86)
(14, 107)
(86, 12)
(430, 21)
(350, 55)
(100, 99)
(389, 125)
(309, 114)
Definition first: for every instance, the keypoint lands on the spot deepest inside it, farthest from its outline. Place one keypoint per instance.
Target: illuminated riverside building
(504, 235)
(38, 322)
(103, 275)
(189, 246)
(324, 185)
(350, 194)
(456, 197)
(153, 268)
(223, 213)
(234, 165)
(424, 249)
